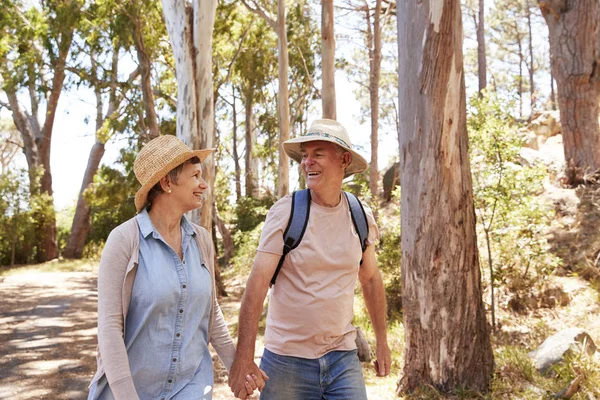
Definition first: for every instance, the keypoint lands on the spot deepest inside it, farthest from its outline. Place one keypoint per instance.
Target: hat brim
(293, 148)
(142, 194)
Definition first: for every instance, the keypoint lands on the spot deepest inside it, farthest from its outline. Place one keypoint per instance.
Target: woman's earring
(169, 191)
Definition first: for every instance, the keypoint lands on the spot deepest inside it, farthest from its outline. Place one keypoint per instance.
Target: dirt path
(48, 336)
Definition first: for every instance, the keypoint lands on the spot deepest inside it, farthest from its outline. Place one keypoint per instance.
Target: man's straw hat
(329, 131)
(156, 159)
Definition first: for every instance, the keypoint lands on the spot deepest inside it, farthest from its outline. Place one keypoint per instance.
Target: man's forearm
(374, 293)
(250, 312)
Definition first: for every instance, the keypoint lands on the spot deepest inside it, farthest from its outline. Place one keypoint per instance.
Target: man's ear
(346, 158)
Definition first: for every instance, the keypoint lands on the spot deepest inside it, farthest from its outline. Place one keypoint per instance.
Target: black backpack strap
(359, 218)
(292, 236)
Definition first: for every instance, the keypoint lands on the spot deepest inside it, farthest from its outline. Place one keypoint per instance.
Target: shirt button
(178, 334)
(184, 285)
(170, 381)
(174, 359)
(180, 311)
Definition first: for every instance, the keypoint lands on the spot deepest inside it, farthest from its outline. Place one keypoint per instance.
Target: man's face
(322, 164)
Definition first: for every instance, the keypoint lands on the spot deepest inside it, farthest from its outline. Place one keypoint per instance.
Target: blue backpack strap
(359, 218)
(292, 236)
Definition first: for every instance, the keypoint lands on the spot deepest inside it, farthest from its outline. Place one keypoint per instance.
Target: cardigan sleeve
(219, 334)
(111, 274)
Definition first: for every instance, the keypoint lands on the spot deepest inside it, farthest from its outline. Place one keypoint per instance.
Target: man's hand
(244, 377)
(383, 363)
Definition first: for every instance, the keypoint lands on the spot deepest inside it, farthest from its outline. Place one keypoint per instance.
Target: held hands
(245, 377)
(383, 362)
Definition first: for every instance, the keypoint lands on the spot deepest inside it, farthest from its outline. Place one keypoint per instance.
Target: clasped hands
(245, 377)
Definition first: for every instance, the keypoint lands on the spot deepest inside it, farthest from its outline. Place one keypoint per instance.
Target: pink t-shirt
(311, 305)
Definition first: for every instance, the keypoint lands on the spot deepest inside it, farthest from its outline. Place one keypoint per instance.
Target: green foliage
(246, 243)
(111, 201)
(389, 255)
(510, 219)
(21, 215)
(250, 212)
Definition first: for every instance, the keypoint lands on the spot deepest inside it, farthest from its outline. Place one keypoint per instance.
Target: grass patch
(84, 265)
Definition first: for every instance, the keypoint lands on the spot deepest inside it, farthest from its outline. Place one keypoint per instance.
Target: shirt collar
(147, 228)
(145, 223)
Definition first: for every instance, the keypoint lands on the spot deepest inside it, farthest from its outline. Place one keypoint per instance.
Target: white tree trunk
(283, 186)
(190, 30)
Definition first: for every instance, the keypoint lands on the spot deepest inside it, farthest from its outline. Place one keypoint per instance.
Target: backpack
(292, 236)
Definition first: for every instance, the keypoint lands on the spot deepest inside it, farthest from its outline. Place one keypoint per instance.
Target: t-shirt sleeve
(271, 238)
(373, 230)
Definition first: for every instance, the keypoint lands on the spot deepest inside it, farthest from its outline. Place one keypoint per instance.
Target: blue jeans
(335, 376)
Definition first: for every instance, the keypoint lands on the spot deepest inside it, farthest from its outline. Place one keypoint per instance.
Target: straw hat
(329, 131)
(156, 159)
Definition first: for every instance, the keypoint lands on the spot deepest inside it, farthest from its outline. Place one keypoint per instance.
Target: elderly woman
(157, 308)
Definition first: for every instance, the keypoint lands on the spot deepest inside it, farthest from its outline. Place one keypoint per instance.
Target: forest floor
(48, 332)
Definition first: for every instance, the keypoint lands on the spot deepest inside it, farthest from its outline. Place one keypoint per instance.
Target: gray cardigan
(118, 266)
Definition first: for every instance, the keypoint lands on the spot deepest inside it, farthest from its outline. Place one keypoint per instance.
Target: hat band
(327, 135)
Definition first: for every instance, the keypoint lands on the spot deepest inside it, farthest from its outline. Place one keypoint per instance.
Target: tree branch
(262, 13)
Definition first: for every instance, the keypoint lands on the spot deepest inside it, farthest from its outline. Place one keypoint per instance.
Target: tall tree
(39, 41)
(283, 115)
(481, 56)
(374, 46)
(190, 27)
(574, 28)
(447, 337)
(328, 60)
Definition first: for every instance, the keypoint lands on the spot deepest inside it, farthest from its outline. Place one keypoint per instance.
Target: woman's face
(189, 189)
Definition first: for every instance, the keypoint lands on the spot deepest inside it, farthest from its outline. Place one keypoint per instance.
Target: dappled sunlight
(48, 329)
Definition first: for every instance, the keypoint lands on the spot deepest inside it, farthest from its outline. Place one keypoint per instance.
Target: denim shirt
(166, 333)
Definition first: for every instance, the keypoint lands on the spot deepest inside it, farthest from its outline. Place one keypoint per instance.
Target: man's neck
(329, 199)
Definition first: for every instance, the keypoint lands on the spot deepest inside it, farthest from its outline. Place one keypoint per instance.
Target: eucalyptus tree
(190, 28)
(112, 29)
(278, 24)
(36, 41)
(574, 28)
(328, 60)
(447, 336)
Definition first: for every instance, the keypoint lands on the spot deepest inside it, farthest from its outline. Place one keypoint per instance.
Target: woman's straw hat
(329, 131)
(156, 159)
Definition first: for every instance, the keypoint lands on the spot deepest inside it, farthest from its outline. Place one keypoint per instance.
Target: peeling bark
(190, 29)
(447, 336)
(574, 28)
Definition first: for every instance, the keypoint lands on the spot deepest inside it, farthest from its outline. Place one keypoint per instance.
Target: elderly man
(310, 351)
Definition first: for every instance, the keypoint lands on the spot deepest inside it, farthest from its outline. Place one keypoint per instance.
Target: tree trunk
(531, 61)
(190, 29)
(81, 221)
(204, 22)
(481, 56)
(374, 37)
(574, 33)
(250, 173)
(520, 87)
(283, 178)
(328, 60)
(236, 157)
(228, 245)
(147, 93)
(552, 93)
(218, 279)
(447, 336)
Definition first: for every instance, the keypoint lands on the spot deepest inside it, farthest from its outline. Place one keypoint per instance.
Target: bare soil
(48, 326)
